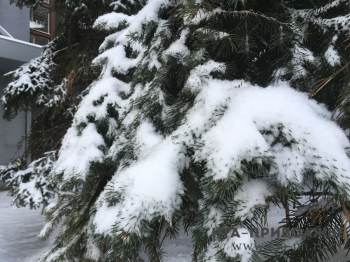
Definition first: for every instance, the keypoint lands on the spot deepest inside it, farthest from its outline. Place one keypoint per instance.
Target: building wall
(11, 132)
(15, 20)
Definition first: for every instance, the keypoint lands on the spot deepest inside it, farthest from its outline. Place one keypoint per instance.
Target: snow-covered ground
(19, 228)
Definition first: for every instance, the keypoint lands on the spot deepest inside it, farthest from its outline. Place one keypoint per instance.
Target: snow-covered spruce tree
(193, 121)
(51, 84)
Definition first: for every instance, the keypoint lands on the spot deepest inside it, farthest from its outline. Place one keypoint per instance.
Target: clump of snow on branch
(151, 187)
(179, 45)
(104, 92)
(32, 85)
(111, 21)
(201, 72)
(251, 195)
(332, 56)
(301, 57)
(314, 16)
(27, 78)
(213, 219)
(236, 136)
(77, 151)
(253, 109)
(31, 186)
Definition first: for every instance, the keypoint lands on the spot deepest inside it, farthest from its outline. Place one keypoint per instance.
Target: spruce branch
(347, 214)
(323, 82)
(315, 216)
(180, 6)
(348, 44)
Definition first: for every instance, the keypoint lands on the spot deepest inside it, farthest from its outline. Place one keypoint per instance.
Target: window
(42, 23)
(43, 40)
(40, 19)
(32, 38)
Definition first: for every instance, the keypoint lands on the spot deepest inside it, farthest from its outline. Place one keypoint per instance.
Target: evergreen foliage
(51, 85)
(32, 86)
(201, 114)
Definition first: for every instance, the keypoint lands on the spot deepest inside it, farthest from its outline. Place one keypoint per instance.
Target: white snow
(332, 56)
(179, 45)
(33, 79)
(214, 218)
(35, 24)
(201, 72)
(251, 109)
(78, 151)
(117, 60)
(148, 13)
(112, 20)
(301, 56)
(32, 184)
(24, 82)
(108, 90)
(146, 138)
(150, 187)
(20, 227)
(252, 194)
(338, 23)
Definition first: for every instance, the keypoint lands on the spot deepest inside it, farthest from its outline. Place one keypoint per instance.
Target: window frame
(51, 25)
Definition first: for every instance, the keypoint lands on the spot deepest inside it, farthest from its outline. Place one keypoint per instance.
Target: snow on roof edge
(19, 41)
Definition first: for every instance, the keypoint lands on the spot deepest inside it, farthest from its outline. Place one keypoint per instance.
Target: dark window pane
(39, 19)
(32, 38)
(42, 40)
